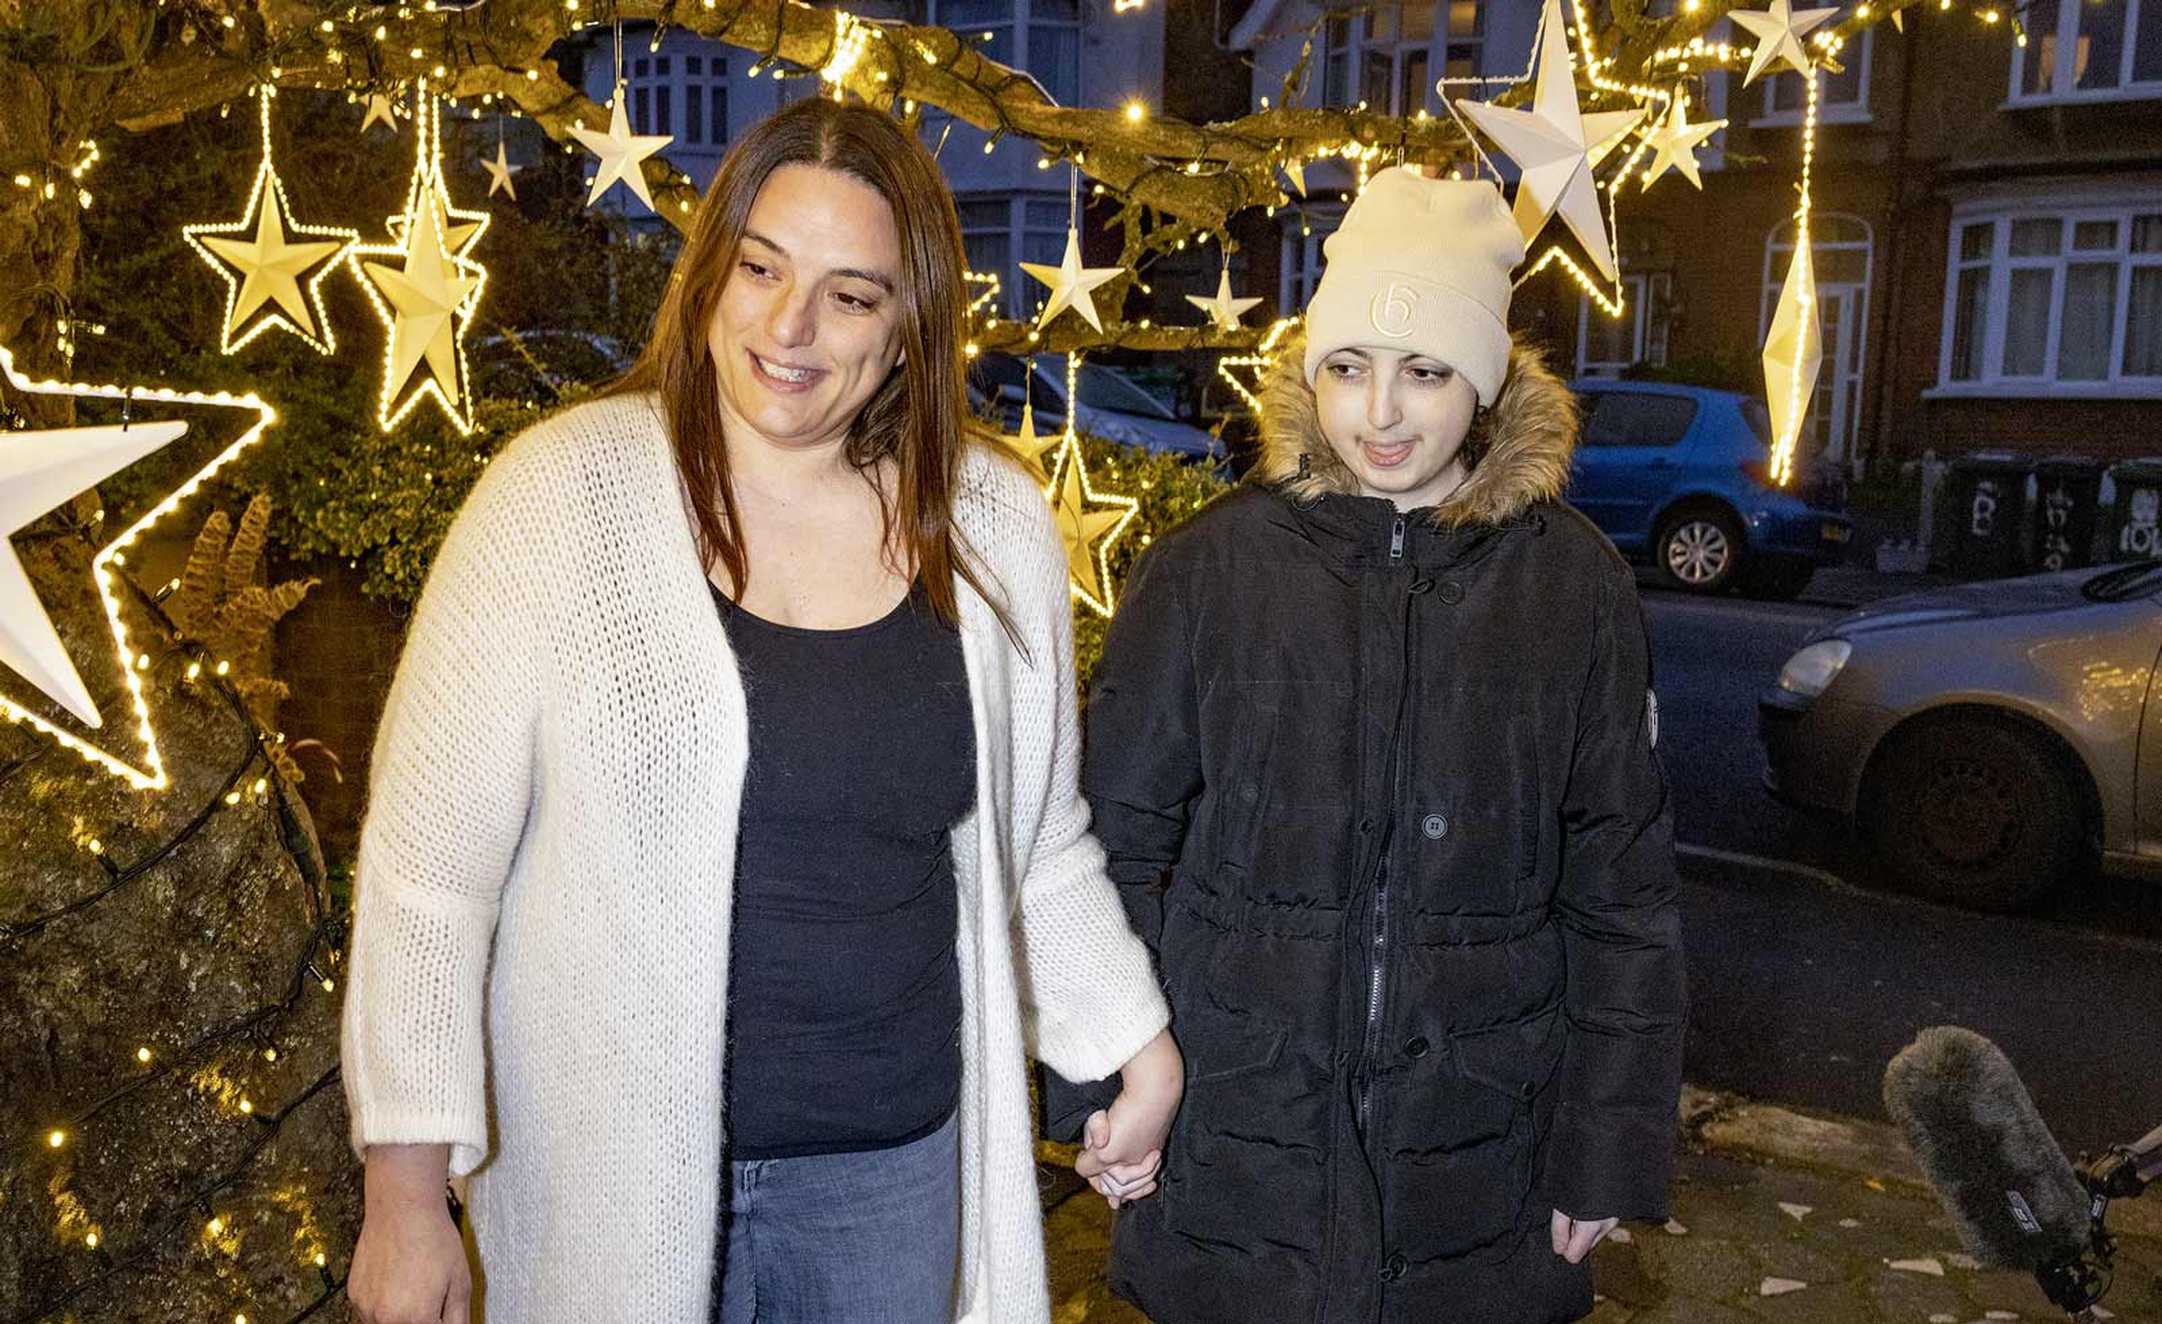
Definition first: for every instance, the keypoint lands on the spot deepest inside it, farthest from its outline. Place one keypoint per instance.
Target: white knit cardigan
(556, 784)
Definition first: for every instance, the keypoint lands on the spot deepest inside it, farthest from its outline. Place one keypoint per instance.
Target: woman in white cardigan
(607, 744)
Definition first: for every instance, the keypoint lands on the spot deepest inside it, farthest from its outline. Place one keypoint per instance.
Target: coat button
(1366, 825)
(1393, 1269)
(1416, 1047)
(1249, 793)
(1434, 826)
(1422, 584)
(1451, 592)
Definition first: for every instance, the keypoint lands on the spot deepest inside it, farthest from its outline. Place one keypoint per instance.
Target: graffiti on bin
(2139, 534)
(1982, 515)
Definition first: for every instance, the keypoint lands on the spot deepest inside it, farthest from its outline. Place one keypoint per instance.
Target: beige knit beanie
(1420, 265)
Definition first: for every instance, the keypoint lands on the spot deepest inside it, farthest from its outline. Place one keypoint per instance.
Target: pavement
(1779, 1215)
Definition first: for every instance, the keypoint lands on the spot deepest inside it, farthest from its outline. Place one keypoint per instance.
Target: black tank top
(844, 998)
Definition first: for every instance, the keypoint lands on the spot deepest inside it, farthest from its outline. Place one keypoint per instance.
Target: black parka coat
(1381, 792)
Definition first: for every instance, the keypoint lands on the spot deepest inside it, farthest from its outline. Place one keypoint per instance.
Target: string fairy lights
(150, 774)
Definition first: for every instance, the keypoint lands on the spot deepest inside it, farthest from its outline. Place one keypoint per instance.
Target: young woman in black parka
(1371, 748)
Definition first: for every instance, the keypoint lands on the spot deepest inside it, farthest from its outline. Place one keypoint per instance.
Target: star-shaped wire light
(1223, 310)
(1089, 521)
(1779, 32)
(427, 300)
(620, 152)
(1557, 147)
(38, 470)
(1674, 140)
(1070, 283)
(499, 172)
(266, 270)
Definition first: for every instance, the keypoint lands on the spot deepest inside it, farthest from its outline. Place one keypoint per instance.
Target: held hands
(1574, 1237)
(1123, 1146)
(409, 1266)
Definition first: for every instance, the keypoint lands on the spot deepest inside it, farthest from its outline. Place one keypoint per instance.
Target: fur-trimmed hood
(1523, 446)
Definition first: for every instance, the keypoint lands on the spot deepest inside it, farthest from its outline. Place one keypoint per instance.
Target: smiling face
(809, 321)
(1397, 421)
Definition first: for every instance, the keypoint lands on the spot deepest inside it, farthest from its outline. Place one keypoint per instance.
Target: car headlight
(1809, 671)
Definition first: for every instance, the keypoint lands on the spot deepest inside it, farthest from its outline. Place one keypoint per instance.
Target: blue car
(1680, 476)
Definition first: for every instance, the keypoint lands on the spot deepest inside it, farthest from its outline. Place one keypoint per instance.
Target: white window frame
(678, 81)
(1641, 293)
(2000, 215)
(2069, 12)
(1018, 291)
(1357, 45)
(1299, 268)
(1019, 19)
(1856, 111)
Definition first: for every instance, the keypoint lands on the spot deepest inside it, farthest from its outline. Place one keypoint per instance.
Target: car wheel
(1780, 578)
(1976, 812)
(1700, 550)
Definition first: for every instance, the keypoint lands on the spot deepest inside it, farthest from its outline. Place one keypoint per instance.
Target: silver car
(1993, 740)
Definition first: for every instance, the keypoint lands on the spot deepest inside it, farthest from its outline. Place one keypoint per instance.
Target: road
(1807, 974)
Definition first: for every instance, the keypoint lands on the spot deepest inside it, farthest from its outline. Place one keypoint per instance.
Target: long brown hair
(918, 418)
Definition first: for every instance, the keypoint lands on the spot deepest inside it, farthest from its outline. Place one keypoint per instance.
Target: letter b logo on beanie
(1393, 309)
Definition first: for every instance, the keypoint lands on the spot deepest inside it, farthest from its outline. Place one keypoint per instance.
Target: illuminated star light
(1223, 310)
(1674, 140)
(1089, 521)
(1779, 32)
(1557, 147)
(1070, 283)
(42, 469)
(620, 152)
(267, 269)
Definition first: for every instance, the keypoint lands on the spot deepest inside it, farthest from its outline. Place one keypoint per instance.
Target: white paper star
(1674, 140)
(1070, 283)
(1793, 353)
(1295, 171)
(1779, 32)
(38, 471)
(620, 152)
(1557, 147)
(1223, 310)
(381, 108)
(499, 172)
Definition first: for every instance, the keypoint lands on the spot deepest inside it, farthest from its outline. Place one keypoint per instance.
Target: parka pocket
(1231, 1172)
(1464, 1140)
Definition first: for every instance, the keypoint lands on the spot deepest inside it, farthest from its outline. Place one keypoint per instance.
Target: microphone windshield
(1995, 1166)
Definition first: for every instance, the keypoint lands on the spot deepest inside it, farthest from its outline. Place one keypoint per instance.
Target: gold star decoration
(39, 470)
(427, 300)
(1557, 147)
(1070, 283)
(380, 107)
(1793, 354)
(1030, 448)
(1295, 171)
(1090, 521)
(620, 152)
(499, 172)
(1674, 140)
(1779, 32)
(1223, 310)
(265, 271)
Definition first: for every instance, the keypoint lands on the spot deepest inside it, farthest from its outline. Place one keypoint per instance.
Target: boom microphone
(1996, 1168)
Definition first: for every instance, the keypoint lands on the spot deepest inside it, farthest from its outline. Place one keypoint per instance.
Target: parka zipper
(1371, 1042)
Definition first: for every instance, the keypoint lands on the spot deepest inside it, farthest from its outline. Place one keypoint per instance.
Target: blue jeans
(866, 1238)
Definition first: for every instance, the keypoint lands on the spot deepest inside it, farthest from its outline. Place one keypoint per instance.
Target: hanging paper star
(499, 172)
(1793, 353)
(1779, 32)
(1089, 520)
(427, 300)
(1070, 283)
(620, 152)
(1899, 21)
(1223, 310)
(39, 470)
(1557, 147)
(268, 268)
(1030, 448)
(1295, 171)
(1674, 140)
(381, 108)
